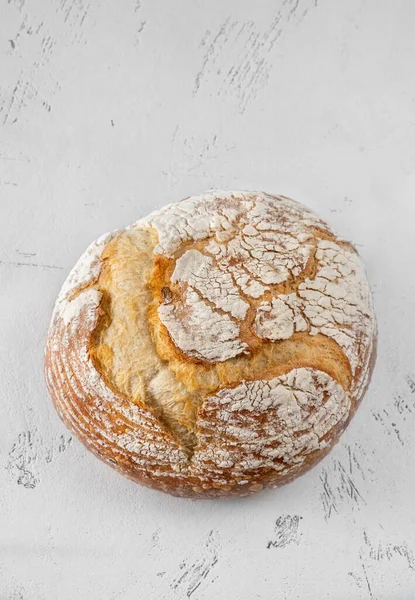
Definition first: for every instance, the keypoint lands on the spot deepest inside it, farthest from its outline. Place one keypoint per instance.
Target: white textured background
(110, 109)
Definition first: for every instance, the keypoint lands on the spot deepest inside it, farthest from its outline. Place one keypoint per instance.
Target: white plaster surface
(109, 110)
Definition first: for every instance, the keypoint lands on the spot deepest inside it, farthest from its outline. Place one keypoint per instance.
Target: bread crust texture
(219, 346)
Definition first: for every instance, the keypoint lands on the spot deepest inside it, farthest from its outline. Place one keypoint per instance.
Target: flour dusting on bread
(219, 345)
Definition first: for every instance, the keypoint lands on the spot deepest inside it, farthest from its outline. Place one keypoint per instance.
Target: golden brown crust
(188, 425)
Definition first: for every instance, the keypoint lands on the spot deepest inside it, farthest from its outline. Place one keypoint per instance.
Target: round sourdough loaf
(216, 347)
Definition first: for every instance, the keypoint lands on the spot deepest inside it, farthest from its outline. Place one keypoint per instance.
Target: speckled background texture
(109, 110)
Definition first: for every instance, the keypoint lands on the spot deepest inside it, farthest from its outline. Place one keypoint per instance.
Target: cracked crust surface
(218, 346)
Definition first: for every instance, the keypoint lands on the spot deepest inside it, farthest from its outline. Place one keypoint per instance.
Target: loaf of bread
(219, 346)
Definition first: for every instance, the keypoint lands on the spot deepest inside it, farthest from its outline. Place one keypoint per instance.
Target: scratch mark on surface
(19, 4)
(405, 552)
(286, 532)
(21, 457)
(348, 484)
(410, 381)
(23, 92)
(155, 538)
(189, 155)
(30, 449)
(84, 16)
(174, 136)
(294, 8)
(384, 419)
(12, 100)
(24, 264)
(349, 451)
(388, 551)
(402, 405)
(339, 483)
(47, 44)
(355, 454)
(139, 31)
(397, 433)
(195, 574)
(204, 38)
(28, 92)
(210, 53)
(327, 497)
(358, 580)
(25, 87)
(64, 441)
(367, 580)
(238, 54)
(17, 595)
(68, 12)
(75, 13)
